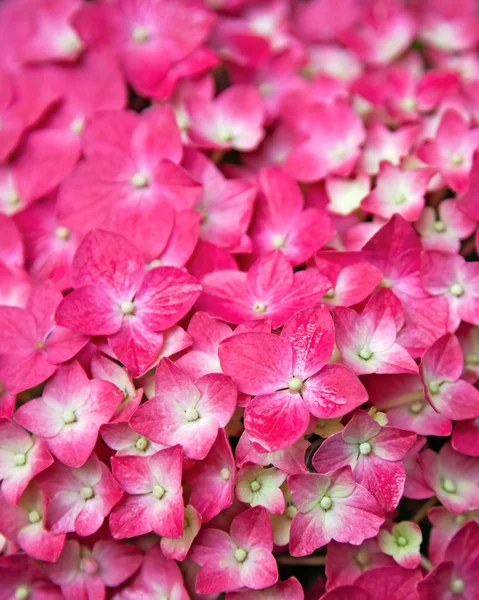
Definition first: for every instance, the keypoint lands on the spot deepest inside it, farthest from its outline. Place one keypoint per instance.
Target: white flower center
(400, 198)
(71, 42)
(401, 541)
(127, 307)
(34, 516)
(69, 417)
(417, 407)
(240, 555)
(291, 511)
(365, 448)
(456, 290)
(77, 125)
(365, 354)
(329, 294)
(259, 307)
(295, 384)
(191, 414)
(86, 493)
(278, 241)
(433, 387)
(456, 160)
(158, 492)
(20, 459)
(225, 474)
(408, 104)
(461, 519)
(439, 227)
(140, 34)
(255, 486)
(140, 180)
(62, 233)
(22, 592)
(362, 558)
(154, 263)
(457, 585)
(142, 443)
(326, 503)
(449, 486)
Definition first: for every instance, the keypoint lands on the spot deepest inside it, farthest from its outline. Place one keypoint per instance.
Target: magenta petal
(260, 570)
(135, 345)
(277, 420)
(384, 480)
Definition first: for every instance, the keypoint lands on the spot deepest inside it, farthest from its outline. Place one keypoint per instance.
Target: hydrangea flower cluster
(239, 300)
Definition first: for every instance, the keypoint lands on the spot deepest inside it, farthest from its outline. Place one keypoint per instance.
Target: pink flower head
(367, 342)
(445, 525)
(453, 477)
(21, 459)
(290, 589)
(258, 486)
(130, 181)
(457, 575)
(290, 460)
(212, 480)
(345, 562)
(241, 559)
(402, 542)
(49, 245)
(445, 230)
(154, 497)
(398, 191)
(290, 378)
(84, 572)
(42, 161)
(384, 145)
(403, 400)
(70, 412)
(225, 205)
(158, 577)
(282, 223)
(21, 575)
(331, 507)
(441, 371)
(116, 297)
(25, 524)
(149, 39)
(127, 442)
(186, 412)
(449, 27)
(374, 454)
(269, 290)
(234, 119)
(451, 151)
(332, 135)
(108, 370)
(33, 345)
(80, 498)
(450, 276)
(345, 195)
(178, 548)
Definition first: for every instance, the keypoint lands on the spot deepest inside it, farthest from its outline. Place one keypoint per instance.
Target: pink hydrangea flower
(444, 527)
(122, 301)
(290, 378)
(21, 575)
(331, 507)
(402, 542)
(258, 486)
(154, 497)
(241, 559)
(70, 412)
(374, 454)
(21, 459)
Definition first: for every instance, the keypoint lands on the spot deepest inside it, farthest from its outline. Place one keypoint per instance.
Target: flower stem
(422, 512)
(426, 563)
(306, 561)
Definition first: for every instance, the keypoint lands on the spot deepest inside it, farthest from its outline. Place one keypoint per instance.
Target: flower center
(86, 493)
(365, 448)
(62, 233)
(439, 227)
(456, 290)
(365, 354)
(191, 414)
(34, 516)
(20, 459)
(278, 241)
(362, 558)
(449, 486)
(225, 474)
(140, 34)
(127, 307)
(387, 283)
(69, 417)
(259, 307)
(240, 555)
(255, 486)
(408, 104)
(433, 387)
(291, 511)
(140, 180)
(457, 585)
(142, 443)
(22, 592)
(71, 42)
(158, 492)
(89, 565)
(400, 198)
(326, 503)
(461, 519)
(456, 160)
(401, 541)
(417, 407)
(329, 294)
(154, 263)
(295, 384)
(77, 125)
(39, 345)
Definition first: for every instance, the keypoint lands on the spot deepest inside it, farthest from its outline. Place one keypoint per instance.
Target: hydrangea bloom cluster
(239, 300)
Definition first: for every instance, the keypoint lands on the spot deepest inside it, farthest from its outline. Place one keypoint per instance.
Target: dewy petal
(383, 479)
(277, 420)
(258, 362)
